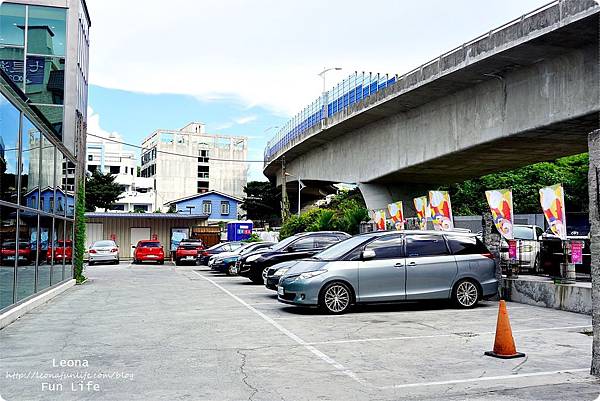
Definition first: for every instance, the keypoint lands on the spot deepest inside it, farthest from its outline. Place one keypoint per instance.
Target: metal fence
(350, 91)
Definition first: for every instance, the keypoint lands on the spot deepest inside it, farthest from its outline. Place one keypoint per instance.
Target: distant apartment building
(190, 161)
(106, 155)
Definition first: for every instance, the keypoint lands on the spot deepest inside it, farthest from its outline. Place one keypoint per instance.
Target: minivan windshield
(338, 250)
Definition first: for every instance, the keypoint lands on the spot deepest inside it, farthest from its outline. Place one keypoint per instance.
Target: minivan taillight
(488, 255)
(114, 250)
(93, 251)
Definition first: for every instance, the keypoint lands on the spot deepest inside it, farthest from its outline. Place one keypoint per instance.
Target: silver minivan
(392, 267)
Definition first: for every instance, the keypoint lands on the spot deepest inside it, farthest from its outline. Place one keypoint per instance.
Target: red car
(62, 250)
(149, 250)
(8, 252)
(187, 251)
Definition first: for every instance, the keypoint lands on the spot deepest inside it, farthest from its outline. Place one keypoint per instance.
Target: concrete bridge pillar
(378, 196)
(594, 151)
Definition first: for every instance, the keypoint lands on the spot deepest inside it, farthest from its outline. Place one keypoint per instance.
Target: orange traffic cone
(504, 345)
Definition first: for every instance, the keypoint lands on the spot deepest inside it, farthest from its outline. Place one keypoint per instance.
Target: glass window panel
(425, 245)
(388, 247)
(30, 165)
(12, 24)
(11, 62)
(8, 232)
(9, 143)
(46, 31)
(45, 79)
(26, 255)
(54, 115)
(44, 255)
(47, 195)
(60, 177)
(61, 250)
(70, 237)
(70, 188)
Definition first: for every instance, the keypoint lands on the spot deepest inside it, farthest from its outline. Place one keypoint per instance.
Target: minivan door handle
(399, 265)
(412, 264)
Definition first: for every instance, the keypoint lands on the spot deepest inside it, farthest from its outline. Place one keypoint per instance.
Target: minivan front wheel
(466, 294)
(336, 298)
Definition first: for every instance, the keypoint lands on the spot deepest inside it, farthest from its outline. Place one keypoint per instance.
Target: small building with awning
(126, 229)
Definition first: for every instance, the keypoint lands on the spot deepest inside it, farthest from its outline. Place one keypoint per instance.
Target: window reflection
(12, 24)
(70, 236)
(8, 232)
(44, 256)
(11, 62)
(9, 142)
(26, 254)
(61, 250)
(45, 79)
(30, 162)
(47, 196)
(46, 30)
(54, 115)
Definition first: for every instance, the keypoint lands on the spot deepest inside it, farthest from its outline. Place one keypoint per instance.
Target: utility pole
(285, 205)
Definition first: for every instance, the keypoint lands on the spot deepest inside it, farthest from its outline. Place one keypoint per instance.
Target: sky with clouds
(243, 66)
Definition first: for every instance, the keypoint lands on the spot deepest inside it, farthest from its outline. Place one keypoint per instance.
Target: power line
(176, 154)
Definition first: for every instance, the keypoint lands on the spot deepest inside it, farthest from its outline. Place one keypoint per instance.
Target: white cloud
(269, 52)
(94, 128)
(245, 120)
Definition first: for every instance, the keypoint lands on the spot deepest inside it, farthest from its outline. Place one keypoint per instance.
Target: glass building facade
(32, 53)
(36, 199)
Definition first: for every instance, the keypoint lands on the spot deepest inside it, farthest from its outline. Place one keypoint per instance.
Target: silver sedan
(392, 267)
(103, 251)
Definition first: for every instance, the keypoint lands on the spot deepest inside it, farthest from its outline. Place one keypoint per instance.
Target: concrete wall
(568, 297)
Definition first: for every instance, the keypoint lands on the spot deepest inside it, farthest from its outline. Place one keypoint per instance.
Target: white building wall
(176, 162)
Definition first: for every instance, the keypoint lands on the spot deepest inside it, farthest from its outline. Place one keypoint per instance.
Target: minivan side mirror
(367, 254)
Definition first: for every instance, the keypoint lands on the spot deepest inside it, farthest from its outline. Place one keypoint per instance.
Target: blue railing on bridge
(351, 90)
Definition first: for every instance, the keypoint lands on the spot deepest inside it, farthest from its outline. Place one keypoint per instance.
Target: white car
(103, 251)
(528, 247)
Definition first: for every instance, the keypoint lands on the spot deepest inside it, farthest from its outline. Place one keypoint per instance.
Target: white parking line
(365, 340)
(288, 333)
(483, 379)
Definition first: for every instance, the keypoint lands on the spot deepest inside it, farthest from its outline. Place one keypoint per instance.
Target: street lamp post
(299, 189)
(325, 71)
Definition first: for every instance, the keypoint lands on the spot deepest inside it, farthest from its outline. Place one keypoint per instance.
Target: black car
(295, 247)
(215, 249)
(272, 274)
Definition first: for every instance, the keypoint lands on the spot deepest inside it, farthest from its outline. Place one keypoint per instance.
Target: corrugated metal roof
(173, 216)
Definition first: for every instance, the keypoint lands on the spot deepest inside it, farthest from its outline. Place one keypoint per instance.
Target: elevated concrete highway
(524, 93)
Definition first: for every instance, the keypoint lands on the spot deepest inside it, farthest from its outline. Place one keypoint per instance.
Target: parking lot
(189, 333)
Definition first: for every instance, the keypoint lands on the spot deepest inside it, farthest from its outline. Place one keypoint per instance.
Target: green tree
(101, 191)
(468, 197)
(262, 202)
(79, 248)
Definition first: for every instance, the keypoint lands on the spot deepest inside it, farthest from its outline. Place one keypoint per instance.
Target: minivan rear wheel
(466, 294)
(335, 298)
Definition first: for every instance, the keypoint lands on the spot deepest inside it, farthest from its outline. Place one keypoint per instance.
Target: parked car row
(334, 271)
(542, 252)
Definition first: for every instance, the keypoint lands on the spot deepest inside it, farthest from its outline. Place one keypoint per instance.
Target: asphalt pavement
(185, 333)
